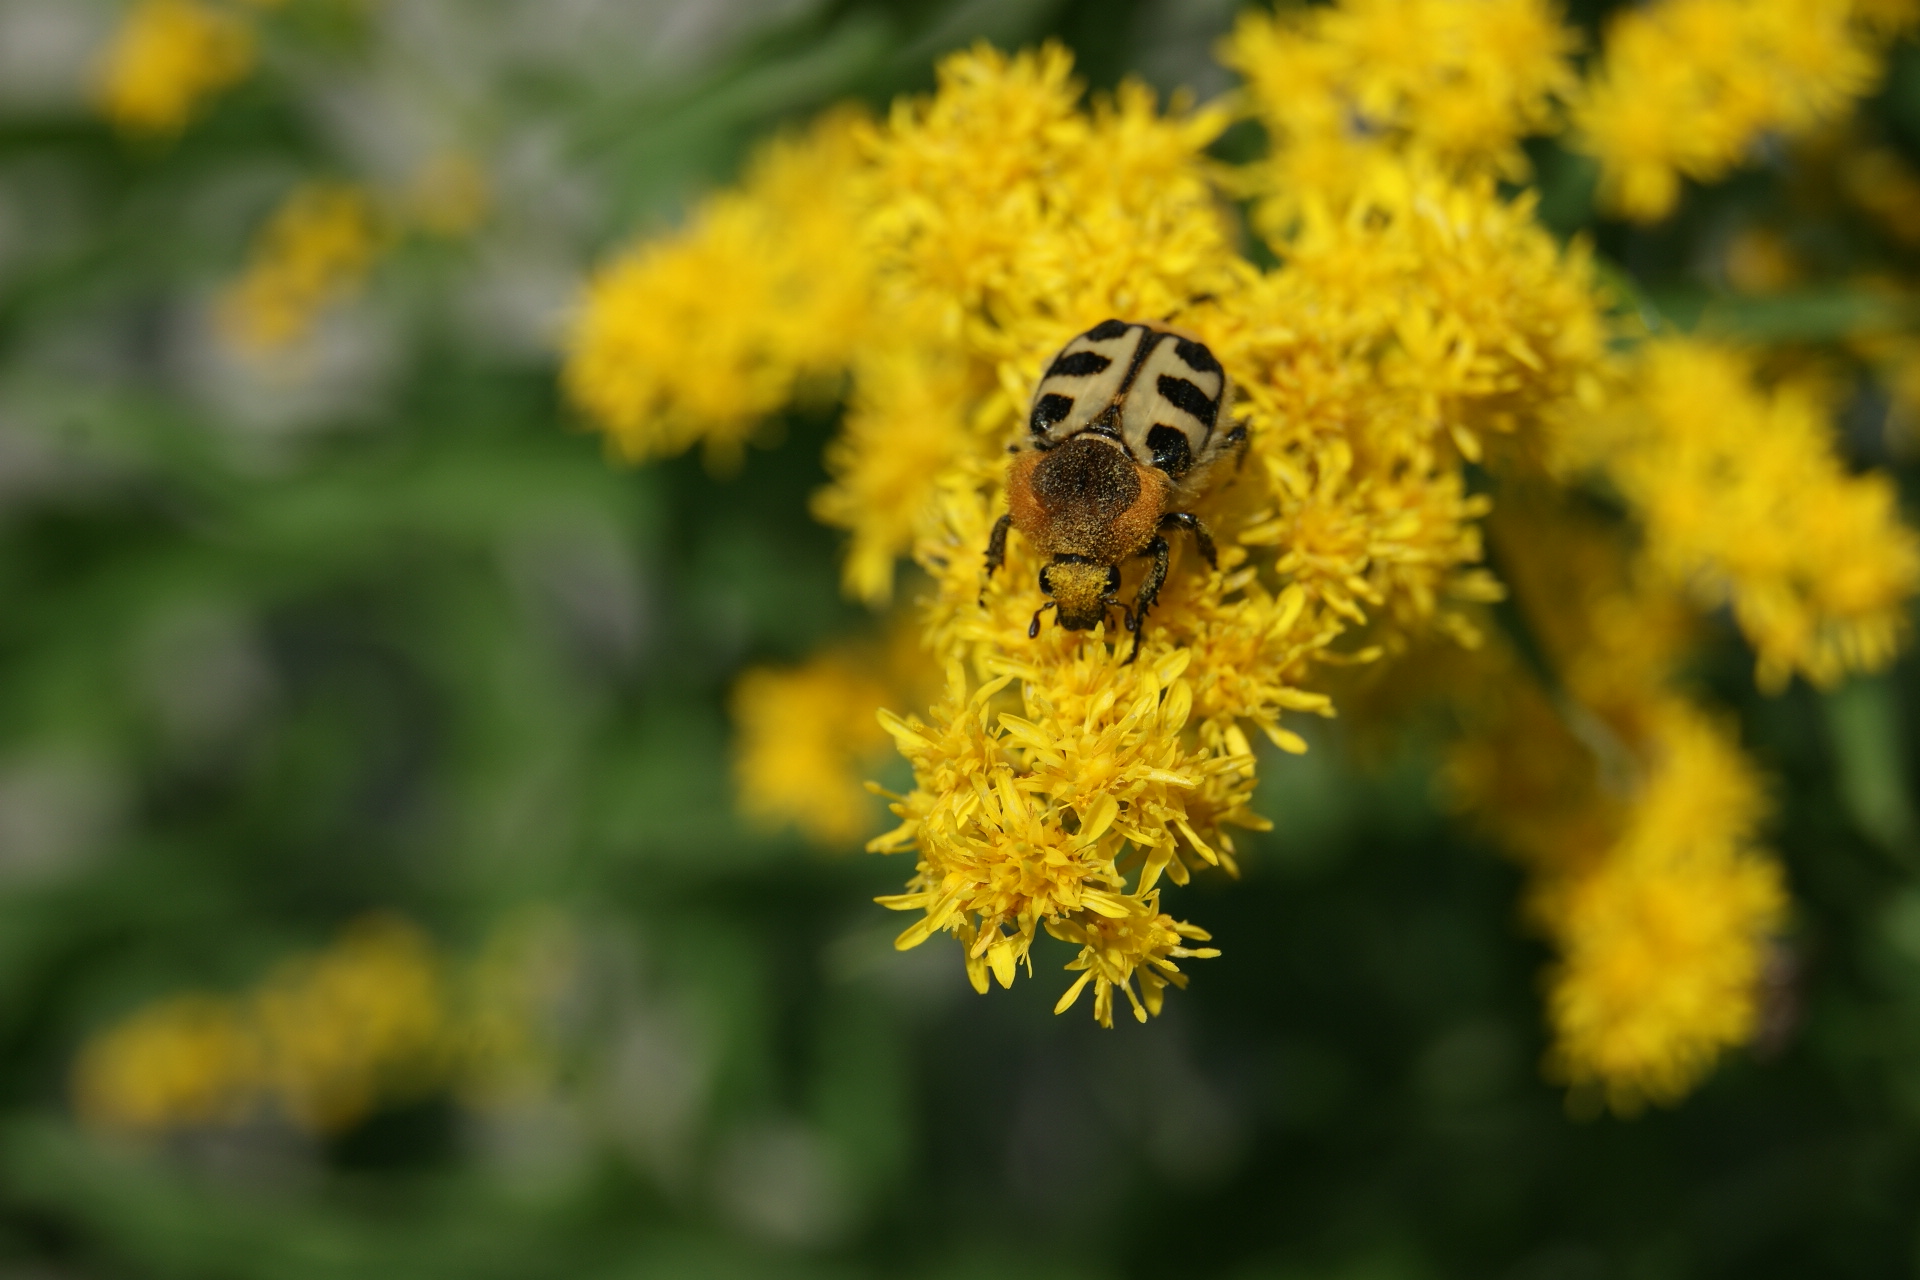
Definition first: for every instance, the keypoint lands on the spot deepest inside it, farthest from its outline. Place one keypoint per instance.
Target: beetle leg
(1149, 590)
(996, 551)
(1191, 523)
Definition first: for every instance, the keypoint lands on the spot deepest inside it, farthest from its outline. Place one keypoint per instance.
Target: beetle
(1127, 426)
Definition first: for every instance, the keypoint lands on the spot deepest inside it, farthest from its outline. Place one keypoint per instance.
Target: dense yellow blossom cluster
(314, 251)
(318, 1041)
(1634, 811)
(1646, 875)
(1744, 500)
(375, 1018)
(808, 737)
(1686, 88)
(1664, 941)
(700, 337)
(1059, 787)
(1458, 81)
(168, 59)
(1421, 341)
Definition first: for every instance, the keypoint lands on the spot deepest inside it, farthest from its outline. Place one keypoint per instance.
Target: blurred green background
(381, 629)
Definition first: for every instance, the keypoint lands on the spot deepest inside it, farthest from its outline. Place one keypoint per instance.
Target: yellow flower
(1635, 814)
(315, 251)
(807, 737)
(185, 1060)
(1685, 88)
(167, 59)
(1016, 219)
(1417, 321)
(1744, 500)
(1415, 311)
(1461, 81)
(1662, 942)
(320, 1043)
(700, 336)
(903, 427)
(362, 1022)
(1142, 944)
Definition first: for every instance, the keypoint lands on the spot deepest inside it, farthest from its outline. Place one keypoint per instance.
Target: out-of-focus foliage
(373, 898)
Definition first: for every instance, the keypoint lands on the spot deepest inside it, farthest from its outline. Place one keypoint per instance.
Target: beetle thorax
(1086, 497)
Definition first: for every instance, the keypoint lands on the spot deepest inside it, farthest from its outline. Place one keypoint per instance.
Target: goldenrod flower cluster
(315, 251)
(318, 247)
(1460, 81)
(1686, 88)
(701, 337)
(1664, 941)
(808, 737)
(375, 1018)
(1634, 810)
(1418, 323)
(1744, 501)
(1059, 787)
(169, 58)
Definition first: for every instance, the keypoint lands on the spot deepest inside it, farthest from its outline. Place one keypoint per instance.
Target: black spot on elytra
(1184, 395)
(1078, 364)
(1107, 330)
(1048, 410)
(1170, 451)
(1198, 358)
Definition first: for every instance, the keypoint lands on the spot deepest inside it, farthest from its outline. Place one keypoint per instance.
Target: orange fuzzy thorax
(1086, 498)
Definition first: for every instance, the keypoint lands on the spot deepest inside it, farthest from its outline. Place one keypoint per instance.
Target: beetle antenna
(1033, 630)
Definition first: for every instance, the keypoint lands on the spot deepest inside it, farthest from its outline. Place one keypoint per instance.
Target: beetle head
(1083, 589)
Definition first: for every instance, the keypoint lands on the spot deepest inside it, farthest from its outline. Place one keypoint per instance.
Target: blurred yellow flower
(1663, 940)
(376, 1018)
(1685, 88)
(1758, 260)
(315, 251)
(1881, 182)
(1636, 815)
(181, 1061)
(806, 740)
(1460, 81)
(1745, 501)
(699, 336)
(167, 59)
(362, 1022)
